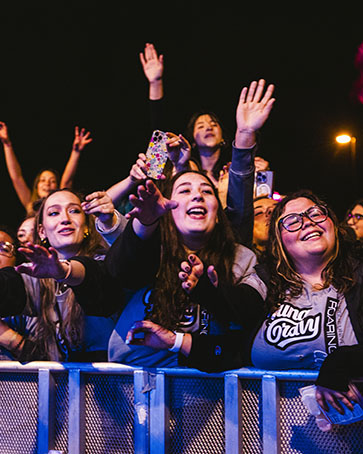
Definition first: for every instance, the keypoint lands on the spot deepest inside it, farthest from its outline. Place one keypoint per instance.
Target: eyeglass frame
(10, 245)
(356, 217)
(302, 215)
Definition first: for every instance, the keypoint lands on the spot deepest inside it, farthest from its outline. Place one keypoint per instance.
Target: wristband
(178, 342)
(68, 273)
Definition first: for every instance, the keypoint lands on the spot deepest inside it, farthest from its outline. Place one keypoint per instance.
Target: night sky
(63, 66)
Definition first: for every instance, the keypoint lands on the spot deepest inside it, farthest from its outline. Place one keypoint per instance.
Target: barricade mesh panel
(61, 412)
(18, 413)
(251, 406)
(109, 414)
(301, 435)
(197, 416)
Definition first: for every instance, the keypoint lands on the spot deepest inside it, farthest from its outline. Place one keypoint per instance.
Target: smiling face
(47, 183)
(196, 214)
(358, 225)
(207, 132)
(63, 223)
(25, 231)
(313, 242)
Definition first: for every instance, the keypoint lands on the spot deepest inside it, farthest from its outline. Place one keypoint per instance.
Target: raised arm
(153, 66)
(21, 188)
(252, 112)
(81, 139)
(123, 188)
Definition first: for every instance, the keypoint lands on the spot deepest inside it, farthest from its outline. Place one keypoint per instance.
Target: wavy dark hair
(285, 282)
(169, 299)
(72, 325)
(225, 155)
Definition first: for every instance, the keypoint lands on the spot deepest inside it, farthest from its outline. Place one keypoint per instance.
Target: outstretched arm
(21, 188)
(150, 205)
(44, 263)
(153, 66)
(81, 139)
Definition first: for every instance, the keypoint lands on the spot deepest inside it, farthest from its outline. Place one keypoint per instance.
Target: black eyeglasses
(7, 248)
(354, 218)
(294, 221)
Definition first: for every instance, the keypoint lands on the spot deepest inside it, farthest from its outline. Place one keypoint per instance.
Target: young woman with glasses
(315, 291)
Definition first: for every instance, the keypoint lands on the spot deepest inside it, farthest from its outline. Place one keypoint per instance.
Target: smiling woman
(179, 256)
(43, 318)
(314, 287)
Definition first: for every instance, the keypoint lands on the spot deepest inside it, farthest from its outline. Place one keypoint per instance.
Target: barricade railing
(109, 408)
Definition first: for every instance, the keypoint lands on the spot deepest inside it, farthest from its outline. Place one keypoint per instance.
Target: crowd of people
(189, 270)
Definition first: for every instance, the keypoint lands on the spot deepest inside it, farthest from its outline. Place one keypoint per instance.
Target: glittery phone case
(156, 154)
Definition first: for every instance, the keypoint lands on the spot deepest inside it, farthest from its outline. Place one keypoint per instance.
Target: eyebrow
(189, 184)
(58, 205)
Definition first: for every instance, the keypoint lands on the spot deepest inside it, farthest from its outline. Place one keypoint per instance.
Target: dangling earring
(86, 234)
(222, 143)
(44, 242)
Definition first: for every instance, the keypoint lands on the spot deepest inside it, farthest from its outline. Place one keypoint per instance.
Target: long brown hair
(169, 299)
(72, 325)
(285, 281)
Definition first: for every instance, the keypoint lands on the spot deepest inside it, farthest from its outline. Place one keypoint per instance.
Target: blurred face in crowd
(26, 231)
(63, 223)
(7, 250)
(262, 214)
(207, 132)
(355, 220)
(47, 183)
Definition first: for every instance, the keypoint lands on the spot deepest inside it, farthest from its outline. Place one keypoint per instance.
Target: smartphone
(264, 183)
(156, 154)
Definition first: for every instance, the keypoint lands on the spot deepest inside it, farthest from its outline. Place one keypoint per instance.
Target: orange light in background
(344, 138)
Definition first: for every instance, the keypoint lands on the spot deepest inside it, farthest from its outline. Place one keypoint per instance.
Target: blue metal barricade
(108, 408)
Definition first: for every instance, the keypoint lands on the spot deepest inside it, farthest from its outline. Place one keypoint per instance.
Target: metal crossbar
(108, 408)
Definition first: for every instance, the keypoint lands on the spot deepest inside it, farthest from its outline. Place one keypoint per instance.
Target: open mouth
(197, 212)
(311, 236)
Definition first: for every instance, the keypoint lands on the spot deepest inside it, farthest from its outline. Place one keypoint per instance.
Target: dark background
(65, 65)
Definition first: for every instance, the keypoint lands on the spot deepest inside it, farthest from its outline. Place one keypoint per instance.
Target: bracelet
(178, 342)
(15, 349)
(148, 225)
(68, 273)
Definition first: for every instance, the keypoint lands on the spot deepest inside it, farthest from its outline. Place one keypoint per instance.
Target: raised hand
(253, 109)
(43, 263)
(261, 164)
(155, 336)
(152, 64)
(81, 139)
(4, 135)
(150, 204)
(192, 270)
(139, 170)
(179, 150)
(100, 204)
